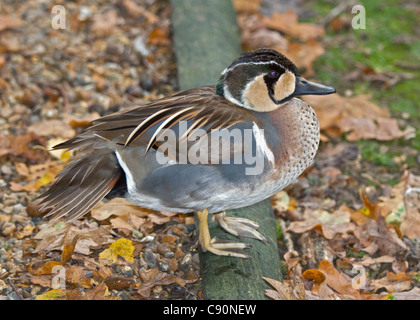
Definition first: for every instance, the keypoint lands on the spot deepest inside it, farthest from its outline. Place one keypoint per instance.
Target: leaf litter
(333, 234)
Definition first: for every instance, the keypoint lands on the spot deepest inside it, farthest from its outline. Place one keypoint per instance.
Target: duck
(204, 150)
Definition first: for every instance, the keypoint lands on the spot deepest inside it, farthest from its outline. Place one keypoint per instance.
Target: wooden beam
(206, 42)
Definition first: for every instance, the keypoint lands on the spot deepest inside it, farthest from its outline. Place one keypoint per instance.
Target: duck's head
(264, 80)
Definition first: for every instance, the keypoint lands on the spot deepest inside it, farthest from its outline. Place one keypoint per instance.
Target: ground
(354, 212)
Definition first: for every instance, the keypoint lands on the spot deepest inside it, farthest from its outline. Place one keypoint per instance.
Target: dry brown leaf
(68, 250)
(264, 38)
(8, 21)
(76, 275)
(330, 224)
(393, 282)
(286, 290)
(159, 36)
(413, 294)
(383, 238)
(21, 146)
(104, 24)
(160, 279)
(357, 115)
(55, 234)
(338, 281)
(315, 275)
(135, 11)
(39, 175)
(288, 23)
(304, 54)
(369, 260)
(118, 207)
(54, 127)
(119, 283)
(100, 292)
(248, 6)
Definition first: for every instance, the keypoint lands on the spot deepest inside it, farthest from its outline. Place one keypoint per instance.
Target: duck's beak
(304, 86)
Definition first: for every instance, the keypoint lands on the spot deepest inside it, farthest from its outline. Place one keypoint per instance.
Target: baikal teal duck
(202, 150)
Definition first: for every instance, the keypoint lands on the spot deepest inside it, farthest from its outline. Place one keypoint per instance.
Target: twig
(335, 12)
(287, 239)
(15, 289)
(404, 65)
(62, 93)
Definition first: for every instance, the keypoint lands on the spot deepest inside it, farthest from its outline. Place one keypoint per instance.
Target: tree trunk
(206, 42)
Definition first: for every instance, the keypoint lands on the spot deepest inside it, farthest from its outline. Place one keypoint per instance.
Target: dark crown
(265, 55)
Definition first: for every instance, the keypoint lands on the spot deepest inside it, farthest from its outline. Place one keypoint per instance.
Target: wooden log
(206, 42)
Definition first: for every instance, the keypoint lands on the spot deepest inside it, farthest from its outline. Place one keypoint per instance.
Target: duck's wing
(201, 109)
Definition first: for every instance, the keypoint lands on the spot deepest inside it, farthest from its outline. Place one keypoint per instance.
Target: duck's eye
(273, 74)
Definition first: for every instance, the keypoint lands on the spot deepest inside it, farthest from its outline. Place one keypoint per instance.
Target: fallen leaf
(25, 232)
(55, 294)
(304, 54)
(104, 24)
(159, 36)
(413, 294)
(77, 275)
(329, 223)
(249, 6)
(393, 282)
(45, 269)
(339, 282)
(288, 23)
(118, 207)
(22, 145)
(121, 248)
(315, 275)
(8, 21)
(100, 292)
(134, 10)
(286, 290)
(160, 279)
(54, 127)
(68, 250)
(119, 283)
(357, 116)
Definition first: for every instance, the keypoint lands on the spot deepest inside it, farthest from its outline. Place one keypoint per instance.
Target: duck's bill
(304, 86)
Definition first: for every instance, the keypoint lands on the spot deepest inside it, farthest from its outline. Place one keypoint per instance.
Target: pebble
(163, 266)
(134, 91)
(186, 262)
(97, 107)
(147, 83)
(140, 46)
(138, 234)
(169, 255)
(7, 228)
(127, 271)
(150, 258)
(6, 170)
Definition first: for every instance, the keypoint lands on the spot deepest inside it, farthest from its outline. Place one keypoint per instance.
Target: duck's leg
(239, 227)
(217, 246)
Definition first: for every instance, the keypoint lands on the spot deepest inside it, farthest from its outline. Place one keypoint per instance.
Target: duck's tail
(81, 185)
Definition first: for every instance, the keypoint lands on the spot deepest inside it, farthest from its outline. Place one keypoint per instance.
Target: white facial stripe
(262, 144)
(256, 63)
(229, 96)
